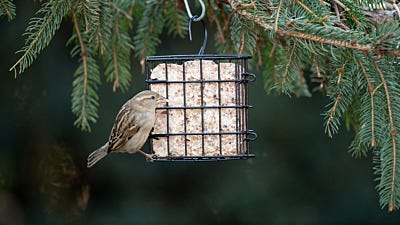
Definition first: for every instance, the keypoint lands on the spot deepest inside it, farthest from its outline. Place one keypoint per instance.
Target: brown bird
(132, 126)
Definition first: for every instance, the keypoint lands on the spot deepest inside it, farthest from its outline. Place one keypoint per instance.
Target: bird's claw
(150, 157)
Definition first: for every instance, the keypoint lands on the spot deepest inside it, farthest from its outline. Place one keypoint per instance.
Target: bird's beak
(162, 100)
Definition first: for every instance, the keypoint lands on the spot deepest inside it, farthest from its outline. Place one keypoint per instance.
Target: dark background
(299, 175)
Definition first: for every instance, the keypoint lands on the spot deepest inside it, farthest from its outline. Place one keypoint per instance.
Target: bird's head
(149, 98)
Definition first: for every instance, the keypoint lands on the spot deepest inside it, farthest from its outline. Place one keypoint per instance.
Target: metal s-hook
(203, 46)
(197, 19)
(189, 12)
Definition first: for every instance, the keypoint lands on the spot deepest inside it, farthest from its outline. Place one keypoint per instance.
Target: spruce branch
(214, 18)
(339, 105)
(371, 91)
(259, 56)
(83, 123)
(331, 126)
(347, 9)
(117, 56)
(318, 72)
(40, 32)
(310, 11)
(288, 64)
(115, 63)
(352, 44)
(8, 9)
(119, 10)
(102, 24)
(84, 97)
(266, 26)
(176, 20)
(393, 132)
(178, 25)
(149, 28)
(270, 72)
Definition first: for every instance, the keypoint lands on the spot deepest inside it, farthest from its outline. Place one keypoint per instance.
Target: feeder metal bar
(169, 58)
(202, 158)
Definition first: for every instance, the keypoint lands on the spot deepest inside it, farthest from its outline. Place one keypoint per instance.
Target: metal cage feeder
(206, 116)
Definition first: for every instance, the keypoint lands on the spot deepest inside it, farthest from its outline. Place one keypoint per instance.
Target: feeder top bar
(194, 57)
(202, 158)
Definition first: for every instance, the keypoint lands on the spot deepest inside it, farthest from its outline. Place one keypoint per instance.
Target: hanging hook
(196, 18)
(203, 46)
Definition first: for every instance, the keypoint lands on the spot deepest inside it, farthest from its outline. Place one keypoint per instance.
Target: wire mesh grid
(206, 117)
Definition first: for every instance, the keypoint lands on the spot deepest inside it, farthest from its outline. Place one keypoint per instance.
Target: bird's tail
(95, 156)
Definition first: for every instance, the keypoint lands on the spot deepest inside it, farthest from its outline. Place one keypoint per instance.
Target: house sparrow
(132, 126)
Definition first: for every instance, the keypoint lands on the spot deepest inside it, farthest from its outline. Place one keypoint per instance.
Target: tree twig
(392, 134)
(84, 63)
(33, 42)
(315, 38)
(6, 9)
(310, 11)
(121, 11)
(371, 92)
(340, 72)
(116, 72)
(288, 65)
(319, 76)
(332, 111)
(241, 48)
(277, 15)
(347, 10)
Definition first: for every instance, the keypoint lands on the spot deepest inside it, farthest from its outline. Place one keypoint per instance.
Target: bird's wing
(125, 127)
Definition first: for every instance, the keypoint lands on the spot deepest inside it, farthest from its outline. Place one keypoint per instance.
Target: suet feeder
(206, 116)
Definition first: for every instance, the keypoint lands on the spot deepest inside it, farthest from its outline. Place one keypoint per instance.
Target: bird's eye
(153, 97)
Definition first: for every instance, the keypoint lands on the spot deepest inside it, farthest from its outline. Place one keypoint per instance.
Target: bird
(132, 127)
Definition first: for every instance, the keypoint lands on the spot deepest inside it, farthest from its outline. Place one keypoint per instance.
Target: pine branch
(121, 11)
(40, 32)
(117, 58)
(117, 61)
(371, 91)
(115, 64)
(288, 64)
(100, 34)
(83, 51)
(84, 97)
(352, 44)
(342, 92)
(7, 8)
(150, 27)
(266, 26)
(393, 138)
(247, 38)
(176, 20)
(270, 72)
(310, 11)
(83, 123)
(214, 18)
(331, 126)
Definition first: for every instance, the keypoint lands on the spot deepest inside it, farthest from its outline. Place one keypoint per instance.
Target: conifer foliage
(349, 50)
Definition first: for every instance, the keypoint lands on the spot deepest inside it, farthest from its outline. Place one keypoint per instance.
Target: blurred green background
(299, 175)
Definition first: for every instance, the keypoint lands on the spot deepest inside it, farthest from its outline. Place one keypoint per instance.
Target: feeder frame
(242, 133)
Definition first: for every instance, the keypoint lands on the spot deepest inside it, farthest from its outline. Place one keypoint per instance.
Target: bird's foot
(149, 157)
